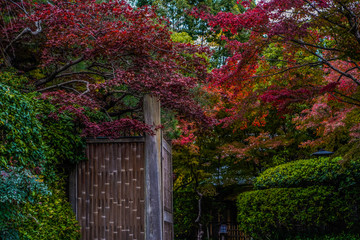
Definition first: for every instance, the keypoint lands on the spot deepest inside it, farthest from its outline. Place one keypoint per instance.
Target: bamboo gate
(124, 190)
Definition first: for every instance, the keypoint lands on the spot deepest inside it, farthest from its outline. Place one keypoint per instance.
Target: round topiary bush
(317, 171)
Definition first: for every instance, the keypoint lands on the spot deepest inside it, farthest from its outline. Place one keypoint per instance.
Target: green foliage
(278, 213)
(170, 124)
(310, 172)
(20, 138)
(12, 80)
(34, 138)
(61, 134)
(185, 213)
(181, 37)
(17, 187)
(51, 218)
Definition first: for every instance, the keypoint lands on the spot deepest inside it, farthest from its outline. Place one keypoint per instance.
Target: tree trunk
(200, 230)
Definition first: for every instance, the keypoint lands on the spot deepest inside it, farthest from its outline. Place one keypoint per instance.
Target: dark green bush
(33, 134)
(281, 212)
(185, 213)
(317, 171)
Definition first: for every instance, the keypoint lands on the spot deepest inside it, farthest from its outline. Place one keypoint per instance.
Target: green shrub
(51, 218)
(32, 143)
(17, 188)
(21, 150)
(281, 212)
(318, 171)
(13, 80)
(33, 134)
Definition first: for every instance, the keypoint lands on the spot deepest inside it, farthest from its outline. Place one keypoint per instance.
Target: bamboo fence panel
(110, 190)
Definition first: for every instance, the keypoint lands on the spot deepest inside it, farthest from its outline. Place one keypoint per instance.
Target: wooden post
(153, 197)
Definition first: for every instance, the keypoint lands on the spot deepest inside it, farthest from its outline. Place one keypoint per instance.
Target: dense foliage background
(249, 90)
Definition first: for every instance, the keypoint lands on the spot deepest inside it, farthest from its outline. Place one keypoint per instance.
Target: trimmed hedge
(329, 237)
(282, 212)
(317, 171)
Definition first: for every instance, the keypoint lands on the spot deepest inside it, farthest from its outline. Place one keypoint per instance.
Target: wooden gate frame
(156, 217)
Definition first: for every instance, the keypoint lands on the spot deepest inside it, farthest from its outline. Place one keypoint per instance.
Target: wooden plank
(166, 145)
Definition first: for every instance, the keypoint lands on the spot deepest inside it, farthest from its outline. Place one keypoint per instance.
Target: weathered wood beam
(153, 188)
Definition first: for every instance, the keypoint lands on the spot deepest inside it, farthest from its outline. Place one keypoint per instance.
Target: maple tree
(300, 55)
(178, 12)
(93, 62)
(88, 56)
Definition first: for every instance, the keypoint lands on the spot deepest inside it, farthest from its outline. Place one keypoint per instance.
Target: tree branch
(55, 73)
(26, 30)
(313, 64)
(315, 46)
(342, 100)
(65, 83)
(326, 62)
(325, 18)
(79, 73)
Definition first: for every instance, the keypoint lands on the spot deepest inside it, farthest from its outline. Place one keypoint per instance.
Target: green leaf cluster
(308, 172)
(20, 131)
(18, 186)
(61, 134)
(185, 213)
(11, 79)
